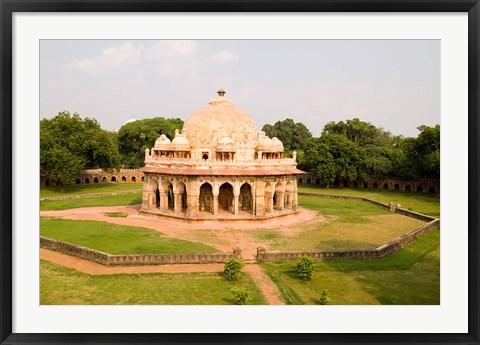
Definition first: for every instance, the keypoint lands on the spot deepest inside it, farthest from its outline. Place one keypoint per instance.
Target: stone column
(146, 195)
(177, 205)
(235, 204)
(192, 205)
(268, 202)
(280, 200)
(215, 204)
(163, 200)
(289, 200)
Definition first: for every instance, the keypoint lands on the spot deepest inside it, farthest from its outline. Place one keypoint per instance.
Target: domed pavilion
(219, 167)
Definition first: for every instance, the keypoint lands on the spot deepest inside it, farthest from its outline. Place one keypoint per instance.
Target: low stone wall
(90, 195)
(378, 253)
(136, 259)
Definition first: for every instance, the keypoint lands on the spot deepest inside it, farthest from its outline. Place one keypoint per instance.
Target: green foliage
(70, 144)
(240, 295)
(293, 135)
(233, 268)
(134, 137)
(305, 268)
(324, 298)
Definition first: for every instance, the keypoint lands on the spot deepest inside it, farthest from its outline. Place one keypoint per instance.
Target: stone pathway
(264, 283)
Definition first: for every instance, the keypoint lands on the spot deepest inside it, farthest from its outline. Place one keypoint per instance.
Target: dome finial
(221, 92)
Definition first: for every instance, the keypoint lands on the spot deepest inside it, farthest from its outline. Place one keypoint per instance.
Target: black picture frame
(8, 7)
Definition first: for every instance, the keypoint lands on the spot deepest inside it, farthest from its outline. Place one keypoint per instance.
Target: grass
(110, 200)
(88, 188)
(61, 285)
(410, 276)
(350, 224)
(116, 214)
(116, 239)
(419, 202)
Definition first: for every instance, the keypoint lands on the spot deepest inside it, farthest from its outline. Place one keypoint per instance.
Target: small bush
(324, 298)
(240, 295)
(305, 268)
(233, 269)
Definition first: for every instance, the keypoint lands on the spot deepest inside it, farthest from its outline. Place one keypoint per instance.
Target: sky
(393, 84)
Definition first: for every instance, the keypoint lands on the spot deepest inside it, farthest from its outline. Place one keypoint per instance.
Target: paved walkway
(264, 283)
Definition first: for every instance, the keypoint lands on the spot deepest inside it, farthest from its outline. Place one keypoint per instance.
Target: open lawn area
(409, 276)
(425, 203)
(88, 188)
(116, 239)
(61, 285)
(350, 224)
(110, 200)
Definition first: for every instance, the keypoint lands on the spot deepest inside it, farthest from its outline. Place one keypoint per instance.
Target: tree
(233, 269)
(293, 135)
(69, 144)
(134, 137)
(305, 268)
(359, 132)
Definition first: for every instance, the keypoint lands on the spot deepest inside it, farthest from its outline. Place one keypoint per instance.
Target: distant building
(219, 167)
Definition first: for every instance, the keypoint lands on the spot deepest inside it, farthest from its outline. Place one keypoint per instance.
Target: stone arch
(87, 180)
(181, 189)
(289, 193)
(385, 186)
(205, 197)
(431, 189)
(408, 188)
(245, 198)
(47, 183)
(365, 184)
(375, 185)
(77, 181)
(317, 181)
(419, 188)
(154, 195)
(397, 186)
(113, 179)
(169, 201)
(124, 179)
(269, 194)
(279, 196)
(300, 180)
(95, 180)
(134, 179)
(309, 180)
(104, 179)
(225, 197)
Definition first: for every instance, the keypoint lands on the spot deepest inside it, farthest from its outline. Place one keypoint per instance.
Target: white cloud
(222, 79)
(223, 56)
(112, 59)
(172, 49)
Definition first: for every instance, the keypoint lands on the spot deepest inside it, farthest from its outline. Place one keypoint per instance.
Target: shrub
(233, 269)
(305, 268)
(324, 298)
(240, 295)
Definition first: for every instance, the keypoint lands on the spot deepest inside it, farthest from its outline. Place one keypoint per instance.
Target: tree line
(344, 152)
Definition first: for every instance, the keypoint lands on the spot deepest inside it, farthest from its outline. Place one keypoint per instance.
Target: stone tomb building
(219, 167)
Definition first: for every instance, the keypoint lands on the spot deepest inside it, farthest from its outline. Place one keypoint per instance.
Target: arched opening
(419, 188)
(408, 188)
(205, 199)
(375, 185)
(225, 197)
(87, 180)
(309, 180)
(397, 186)
(385, 185)
(300, 180)
(205, 155)
(47, 183)
(113, 179)
(143, 178)
(104, 179)
(279, 196)
(317, 181)
(134, 179)
(124, 179)
(365, 184)
(77, 181)
(245, 198)
(431, 189)
(170, 197)
(157, 198)
(95, 180)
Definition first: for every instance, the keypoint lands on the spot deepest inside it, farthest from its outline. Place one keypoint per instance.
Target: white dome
(162, 141)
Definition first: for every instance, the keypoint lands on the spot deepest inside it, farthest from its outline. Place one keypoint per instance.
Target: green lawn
(61, 285)
(116, 239)
(110, 200)
(419, 202)
(409, 276)
(350, 224)
(88, 188)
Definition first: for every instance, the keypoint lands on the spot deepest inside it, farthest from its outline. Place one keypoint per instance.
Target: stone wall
(380, 182)
(94, 176)
(380, 252)
(90, 195)
(136, 259)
